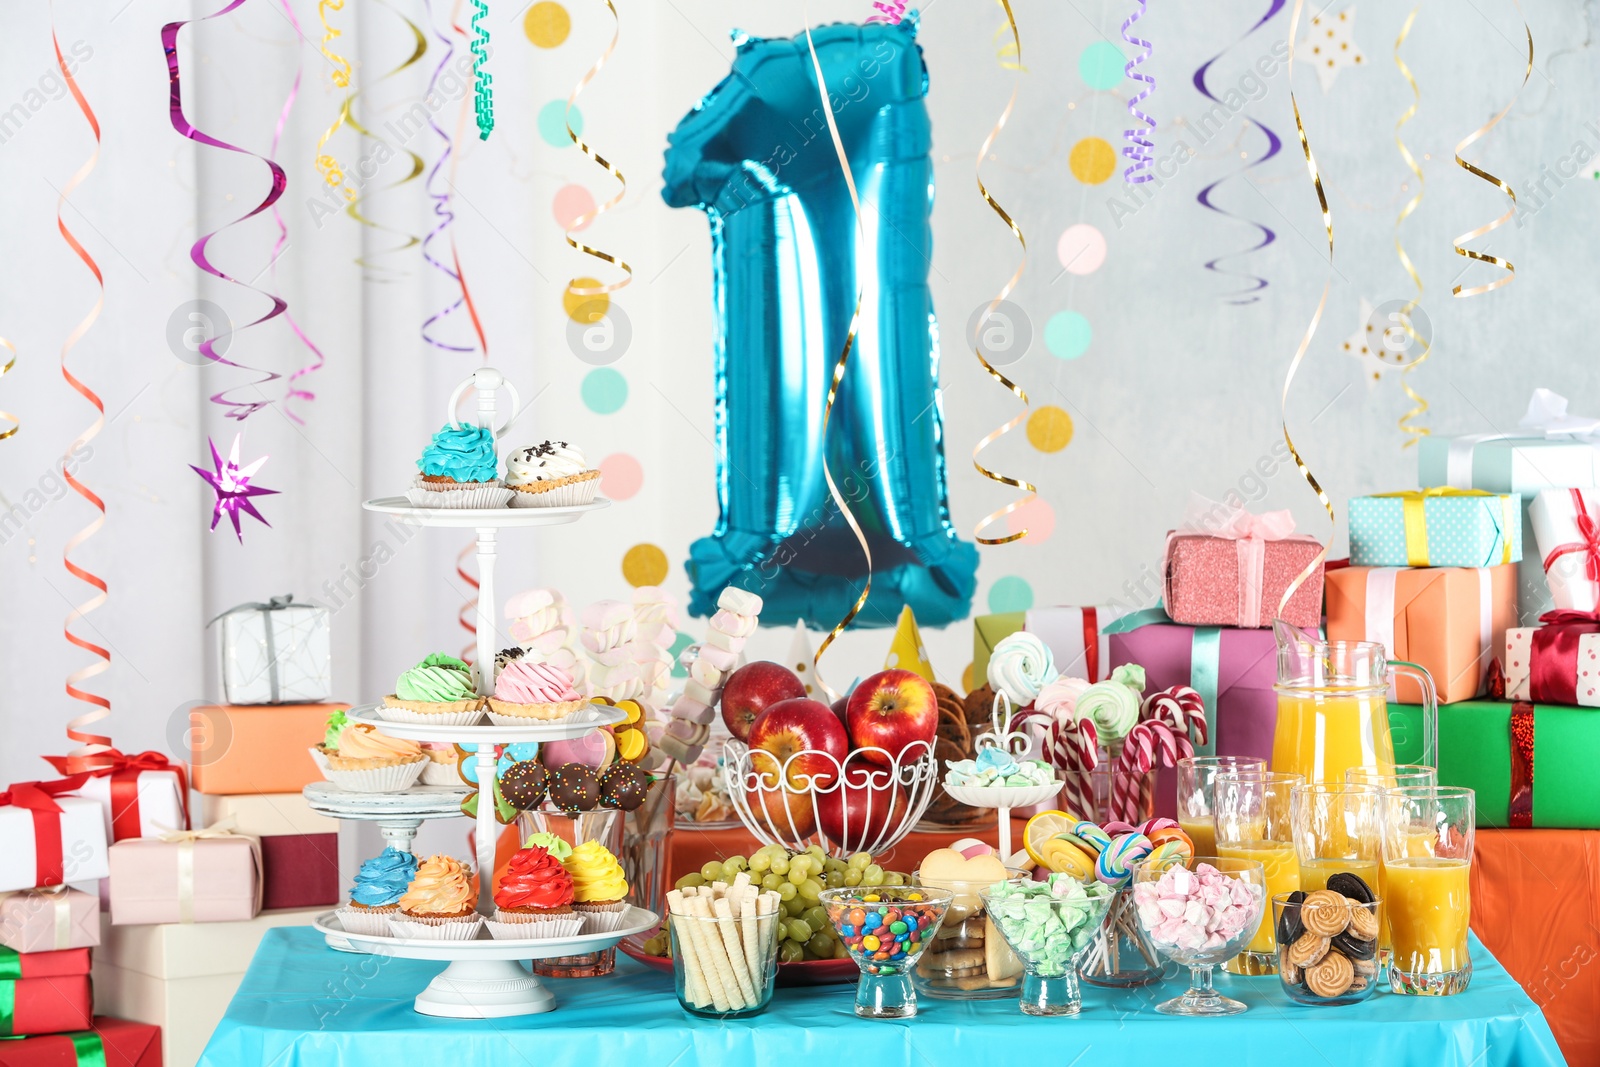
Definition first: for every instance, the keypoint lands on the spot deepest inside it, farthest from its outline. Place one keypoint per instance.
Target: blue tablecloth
(303, 1004)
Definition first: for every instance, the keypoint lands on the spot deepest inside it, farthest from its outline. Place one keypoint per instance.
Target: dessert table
(303, 1004)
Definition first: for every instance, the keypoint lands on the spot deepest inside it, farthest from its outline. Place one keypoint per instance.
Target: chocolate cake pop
(525, 784)
(573, 787)
(623, 786)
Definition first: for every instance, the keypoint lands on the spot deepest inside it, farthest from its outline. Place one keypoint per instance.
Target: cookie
(1291, 973)
(1330, 976)
(1308, 950)
(1366, 968)
(1325, 913)
(942, 692)
(1364, 922)
(1354, 947)
(953, 729)
(1289, 925)
(978, 704)
(1351, 885)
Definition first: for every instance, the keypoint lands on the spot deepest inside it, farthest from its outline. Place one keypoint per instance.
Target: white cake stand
(398, 815)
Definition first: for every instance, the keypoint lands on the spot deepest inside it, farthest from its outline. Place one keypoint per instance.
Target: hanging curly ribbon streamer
(1028, 488)
(1009, 53)
(1305, 342)
(379, 273)
(92, 746)
(584, 219)
(1408, 424)
(839, 366)
(455, 253)
(441, 202)
(16, 423)
(1274, 145)
(330, 169)
(237, 409)
(482, 80)
(1510, 212)
(467, 617)
(890, 12)
(1141, 147)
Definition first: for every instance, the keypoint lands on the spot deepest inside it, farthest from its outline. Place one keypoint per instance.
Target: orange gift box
(1449, 620)
(260, 748)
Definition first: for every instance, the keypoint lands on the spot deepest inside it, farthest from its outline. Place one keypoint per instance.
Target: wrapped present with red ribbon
(44, 996)
(109, 1043)
(140, 793)
(1228, 567)
(1556, 663)
(210, 875)
(48, 836)
(46, 920)
(1566, 524)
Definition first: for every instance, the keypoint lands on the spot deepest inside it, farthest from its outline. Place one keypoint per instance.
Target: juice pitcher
(1333, 711)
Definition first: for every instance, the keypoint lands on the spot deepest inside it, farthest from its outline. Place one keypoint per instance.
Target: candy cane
(1137, 757)
(1181, 708)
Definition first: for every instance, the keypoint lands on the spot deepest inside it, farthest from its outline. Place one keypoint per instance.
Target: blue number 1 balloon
(787, 261)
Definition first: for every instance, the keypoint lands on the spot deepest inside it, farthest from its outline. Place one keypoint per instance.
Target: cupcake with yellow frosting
(438, 690)
(355, 756)
(439, 903)
(599, 889)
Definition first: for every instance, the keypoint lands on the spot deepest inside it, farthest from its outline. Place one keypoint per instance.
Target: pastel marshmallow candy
(741, 601)
(529, 601)
(733, 624)
(698, 714)
(720, 658)
(680, 750)
(705, 674)
(684, 730)
(688, 708)
(652, 604)
(697, 692)
(606, 624)
(613, 657)
(727, 642)
(658, 634)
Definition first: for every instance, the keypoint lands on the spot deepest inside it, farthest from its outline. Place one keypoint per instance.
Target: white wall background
(1177, 391)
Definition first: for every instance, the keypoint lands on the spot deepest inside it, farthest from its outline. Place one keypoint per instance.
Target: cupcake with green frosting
(440, 690)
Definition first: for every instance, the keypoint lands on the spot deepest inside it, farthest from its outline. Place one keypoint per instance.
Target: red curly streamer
(467, 617)
(92, 746)
(237, 409)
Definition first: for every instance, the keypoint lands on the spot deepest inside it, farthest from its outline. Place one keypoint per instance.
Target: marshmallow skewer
(738, 615)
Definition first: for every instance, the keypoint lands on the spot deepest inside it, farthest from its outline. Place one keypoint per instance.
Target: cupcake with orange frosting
(439, 903)
(599, 888)
(534, 897)
(356, 756)
(525, 692)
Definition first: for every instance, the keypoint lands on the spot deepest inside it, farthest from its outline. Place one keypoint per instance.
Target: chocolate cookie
(953, 728)
(977, 705)
(1354, 947)
(1289, 925)
(1352, 886)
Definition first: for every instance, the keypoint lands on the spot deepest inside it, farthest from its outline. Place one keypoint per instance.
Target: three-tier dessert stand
(485, 978)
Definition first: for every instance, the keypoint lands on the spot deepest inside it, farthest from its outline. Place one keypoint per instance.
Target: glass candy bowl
(885, 929)
(1200, 915)
(1049, 925)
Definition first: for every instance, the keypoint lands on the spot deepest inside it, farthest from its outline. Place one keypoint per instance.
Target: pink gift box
(1209, 580)
(154, 881)
(49, 920)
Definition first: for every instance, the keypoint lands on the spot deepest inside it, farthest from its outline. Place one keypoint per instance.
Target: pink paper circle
(1037, 517)
(1081, 249)
(620, 476)
(571, 201)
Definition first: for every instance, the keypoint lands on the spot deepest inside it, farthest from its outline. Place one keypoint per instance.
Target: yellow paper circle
(967, 679)
(1093, 160)
(644, 564)
(585, 310)
(1050, 429)
(547, 24)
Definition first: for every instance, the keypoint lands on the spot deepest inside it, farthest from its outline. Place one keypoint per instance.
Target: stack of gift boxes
(1436, 575)
(168, 892)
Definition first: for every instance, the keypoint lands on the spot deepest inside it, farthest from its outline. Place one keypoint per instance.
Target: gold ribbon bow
(185, 840)
(1416, 519)
(61, 937)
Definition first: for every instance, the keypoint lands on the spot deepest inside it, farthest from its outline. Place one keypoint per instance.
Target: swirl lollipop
(1113, 705)
(1115, 865)
(1020, 666)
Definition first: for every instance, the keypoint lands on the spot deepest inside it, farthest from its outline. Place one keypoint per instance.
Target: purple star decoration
(231, 483)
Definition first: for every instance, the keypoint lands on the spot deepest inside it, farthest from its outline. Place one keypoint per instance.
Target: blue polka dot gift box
(1440, 527)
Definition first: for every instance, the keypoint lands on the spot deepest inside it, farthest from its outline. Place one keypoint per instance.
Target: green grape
(788, 890)
(694, 879)
(711, 870)
(798, 930)
(840, 952)
(736, 863)
(760, 862)
(780, 865)
(853, 878)
(893, 878)
(772, 881)
(811, 890)
(873, 875)
(817, 852)
(835, 879)
(860, 860)
(791, 952)
(817, 917)
(793, 909)
(799, 875)
(820, 947)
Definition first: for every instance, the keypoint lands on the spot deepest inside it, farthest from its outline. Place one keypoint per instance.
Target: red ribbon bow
(124, 772)
(39, 798)
(1589, 531)
(1553, 676)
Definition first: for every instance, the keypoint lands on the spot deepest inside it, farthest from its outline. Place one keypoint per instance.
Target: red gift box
(46, 1005)
(61, 964)
(299, 870)
(121, 1043)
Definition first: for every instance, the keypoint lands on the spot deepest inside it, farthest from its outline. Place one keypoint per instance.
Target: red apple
(754, 688)
(789, 814)
(892, 710)
(794, 737)
(839, 706)
(845, 818)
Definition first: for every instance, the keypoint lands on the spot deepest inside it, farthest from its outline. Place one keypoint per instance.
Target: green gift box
(1441, 527)
(1476, 750)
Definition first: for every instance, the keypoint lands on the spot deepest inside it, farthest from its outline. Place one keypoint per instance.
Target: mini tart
(434, 707)
(345, 763)
(569, 491)
(542, 712)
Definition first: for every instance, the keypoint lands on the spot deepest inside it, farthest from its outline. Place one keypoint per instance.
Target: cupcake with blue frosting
(376, 894)
(460, 468)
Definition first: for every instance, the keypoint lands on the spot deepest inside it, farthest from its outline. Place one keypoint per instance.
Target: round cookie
(1308, 950)
(1352, 886)
(1289, 925)
(1354, 947)
(1330, 976)
(1325, 913)
(1363, 923)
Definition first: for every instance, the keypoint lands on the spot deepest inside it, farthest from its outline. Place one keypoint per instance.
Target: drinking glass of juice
(1403, 775)
(1427, 857)
(1196, 774)
(1335, 828)
(1252, 823)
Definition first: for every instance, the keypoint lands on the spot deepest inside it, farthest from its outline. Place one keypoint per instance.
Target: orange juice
(1203, 832)
(1418, 845)
(1315, 875)
(1282, 869)
(1429, 906)
(1322, 737)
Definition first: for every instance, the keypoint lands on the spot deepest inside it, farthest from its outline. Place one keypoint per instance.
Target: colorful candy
(886, 929)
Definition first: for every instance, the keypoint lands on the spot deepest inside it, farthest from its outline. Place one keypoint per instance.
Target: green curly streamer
(483, 82)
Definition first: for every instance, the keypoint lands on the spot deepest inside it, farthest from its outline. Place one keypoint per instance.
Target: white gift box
(159, 807)
(1519, 666)
(275, 653)
(83, 844)
(1566, 525)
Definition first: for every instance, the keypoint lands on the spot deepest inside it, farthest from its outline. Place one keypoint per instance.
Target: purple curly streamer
(1252, 294)
(441, 206)
(891, 12)
(237, 409)
(1141, 146)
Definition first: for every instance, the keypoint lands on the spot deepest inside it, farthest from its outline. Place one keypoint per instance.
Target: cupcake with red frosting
(527, 692)
(534, 897)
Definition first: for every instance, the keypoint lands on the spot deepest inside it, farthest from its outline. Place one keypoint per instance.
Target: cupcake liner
(505, 713)
(476, 496)
(537, 929)
(436, 773)
(373, 921)
(561, 492)
(454, 713)
(601, 918)
(321, 760)
(394, 779)
(436, 929)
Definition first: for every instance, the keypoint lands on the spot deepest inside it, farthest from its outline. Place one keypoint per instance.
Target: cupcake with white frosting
(551, 474)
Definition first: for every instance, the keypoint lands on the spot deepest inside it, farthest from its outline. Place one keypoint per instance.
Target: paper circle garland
(1010, 594)
(1101, 65)
(547, 24)
(553, 124)
(604, 391)
(1049, 429)
(571, 203)
(644, 564)
(1081, 249)
(621, 476)
(1067, 335)
(1093, 160)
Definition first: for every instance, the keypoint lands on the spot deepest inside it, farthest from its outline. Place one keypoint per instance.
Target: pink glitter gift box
(1227, 567)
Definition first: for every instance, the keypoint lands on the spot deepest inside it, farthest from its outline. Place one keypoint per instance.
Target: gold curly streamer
(1311, 329)
(327, 165)
(583, 146)
(838, 372)
(1408, 423)
(1510, 212)
(1009, 55)
(419, 49)
(16, 423)
(1029, 488)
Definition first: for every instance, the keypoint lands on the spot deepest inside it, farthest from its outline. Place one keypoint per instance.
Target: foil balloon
(788, 261)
